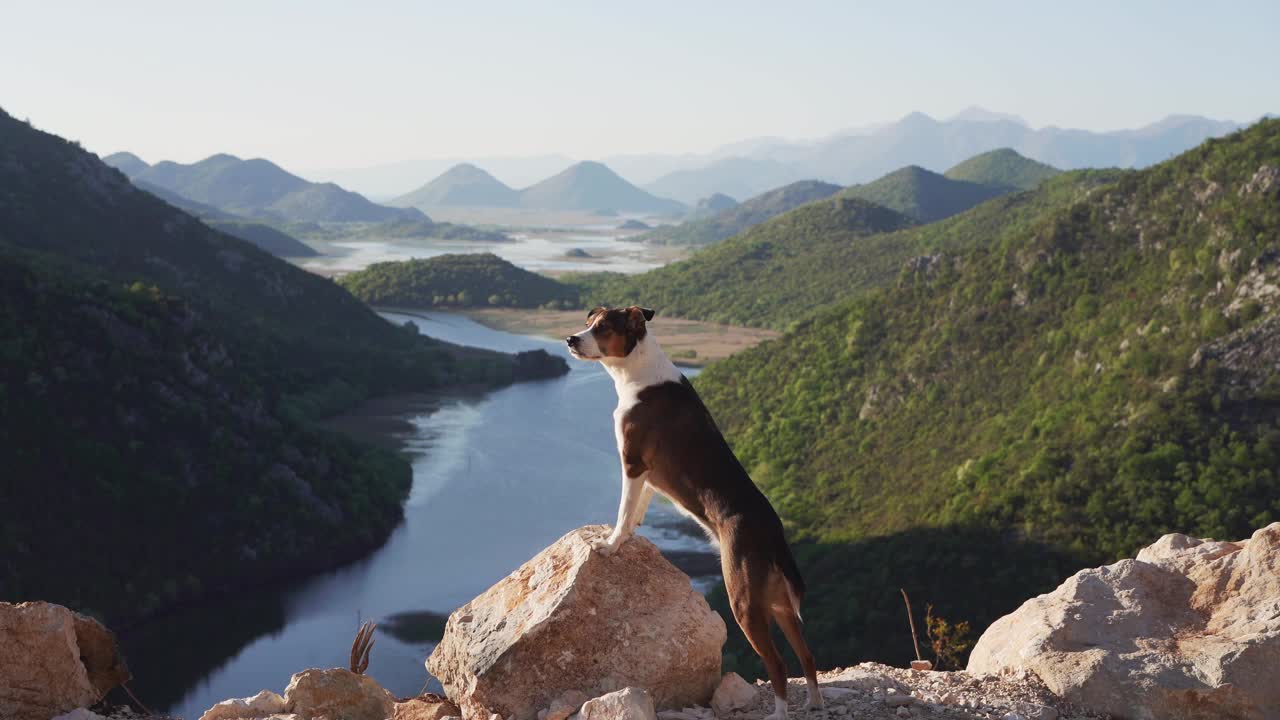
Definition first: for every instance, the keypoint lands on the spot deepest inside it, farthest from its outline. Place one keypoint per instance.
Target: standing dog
(668, 442)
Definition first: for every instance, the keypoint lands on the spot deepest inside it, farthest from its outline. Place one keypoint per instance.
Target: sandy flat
(688, 342)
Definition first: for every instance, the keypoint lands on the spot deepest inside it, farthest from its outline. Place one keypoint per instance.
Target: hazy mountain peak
(463, 185)
(126, 162)
(591, 185)
(974, 113)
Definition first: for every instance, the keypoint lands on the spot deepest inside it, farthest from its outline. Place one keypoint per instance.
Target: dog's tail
(786, 563)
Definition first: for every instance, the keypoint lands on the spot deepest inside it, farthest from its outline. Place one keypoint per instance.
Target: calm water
(531, 251)
(499, 477)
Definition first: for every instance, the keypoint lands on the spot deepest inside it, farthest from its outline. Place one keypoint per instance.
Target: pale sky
(352, 84)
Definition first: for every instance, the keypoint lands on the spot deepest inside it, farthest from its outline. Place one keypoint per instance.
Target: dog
(669, 443)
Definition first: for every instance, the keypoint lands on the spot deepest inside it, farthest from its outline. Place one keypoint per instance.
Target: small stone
(566, 704)
(1012, 716)
(733, 693)
(902, 712)
(899, 700)
(261, 705)
(625, 704)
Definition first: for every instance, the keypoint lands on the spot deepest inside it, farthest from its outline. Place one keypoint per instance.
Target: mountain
(923, 195)
(1003, 168)
(462, 185)
(161, 384)
(390, 180)
(735, 176)
(593, 186)
(739, 217)
(260, 189)
(711, 205)
(126, 162)
(771, 275)
(865, 154)
(268, 238)
(456, 280)
(1065, 381)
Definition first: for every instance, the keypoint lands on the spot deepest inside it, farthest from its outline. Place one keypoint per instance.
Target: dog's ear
(594, 312)
(636, 317)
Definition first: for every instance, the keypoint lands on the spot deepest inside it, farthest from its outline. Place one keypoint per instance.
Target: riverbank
(690, 343)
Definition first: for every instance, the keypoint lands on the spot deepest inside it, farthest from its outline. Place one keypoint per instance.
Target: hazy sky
(349, 84)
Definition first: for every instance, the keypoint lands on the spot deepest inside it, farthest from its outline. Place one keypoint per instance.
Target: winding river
(496, 478)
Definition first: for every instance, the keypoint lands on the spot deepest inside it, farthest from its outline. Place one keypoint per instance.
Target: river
(496, 478)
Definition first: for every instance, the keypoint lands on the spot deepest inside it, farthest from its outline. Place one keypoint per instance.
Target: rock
(573, 619)
(625, 704)
(733, 693)
(80, 714)
(902, 712)
(261, 705)
(53, 661)
(898, 700)
(425, 707)
(337, 693)
(567, 704)
(1190, 629)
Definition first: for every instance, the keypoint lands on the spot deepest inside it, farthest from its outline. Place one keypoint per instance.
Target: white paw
(608, 546)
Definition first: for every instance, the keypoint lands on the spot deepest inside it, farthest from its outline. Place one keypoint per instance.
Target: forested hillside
(784, 270)
(456, 280)
(159, 384)
(922, 195)
(1095, 372)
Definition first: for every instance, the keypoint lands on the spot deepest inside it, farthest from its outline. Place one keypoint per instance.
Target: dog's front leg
(633, 491)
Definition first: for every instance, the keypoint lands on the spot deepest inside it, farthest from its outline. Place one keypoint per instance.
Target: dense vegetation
(922, 195)
(264, 236)
(713, 204)
(158, 385)
(459, 280)
(784, 270)
(1003, 168)
(737, 218)
(1099, 368)
(463, 185)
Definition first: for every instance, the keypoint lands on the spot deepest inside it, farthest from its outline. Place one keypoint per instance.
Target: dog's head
(612, 333)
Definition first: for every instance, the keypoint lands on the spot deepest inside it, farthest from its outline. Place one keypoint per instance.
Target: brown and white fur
(669, 443)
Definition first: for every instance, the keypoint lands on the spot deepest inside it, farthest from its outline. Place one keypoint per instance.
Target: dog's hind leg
(788, 618)
(748, 591)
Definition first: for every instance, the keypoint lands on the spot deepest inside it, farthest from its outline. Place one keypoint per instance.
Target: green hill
(739, 217)
(593, 186)
(1063, 386)
(924, 195)
(787, 268)
(713, 204)
(463, 185)
(1003, 168)
(260, 189)
(159, 384)
(459, 280)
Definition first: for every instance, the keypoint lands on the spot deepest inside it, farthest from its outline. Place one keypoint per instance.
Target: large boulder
(1189, 630)
(573, 619)
(337, 694)
(53, 660)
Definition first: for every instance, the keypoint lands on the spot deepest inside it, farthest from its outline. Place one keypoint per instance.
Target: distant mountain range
(273, 240)
(920, 194)
(917, 139)
(585, 186)
(258, 189)
(749, 167)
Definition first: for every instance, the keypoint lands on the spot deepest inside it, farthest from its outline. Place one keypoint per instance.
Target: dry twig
(361, 646)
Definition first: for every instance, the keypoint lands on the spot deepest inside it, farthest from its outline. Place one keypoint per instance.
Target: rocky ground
(872, 691)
